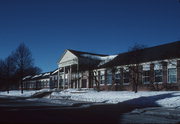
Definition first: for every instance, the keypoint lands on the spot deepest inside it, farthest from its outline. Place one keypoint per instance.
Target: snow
(55, 71)
(143, 98)
(107, 59)
(60, 102)
(36, 76)
(104, 59)
(26, 77)
(46, 74)
(26, 93)
(161, 98)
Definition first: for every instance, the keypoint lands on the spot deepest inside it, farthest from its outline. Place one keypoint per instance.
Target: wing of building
(158, 68)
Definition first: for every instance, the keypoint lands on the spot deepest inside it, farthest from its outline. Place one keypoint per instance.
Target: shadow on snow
(105, 113)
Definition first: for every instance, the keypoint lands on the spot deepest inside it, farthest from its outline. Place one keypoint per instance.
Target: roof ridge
(151, 47)
(159, 52)
(83, 52)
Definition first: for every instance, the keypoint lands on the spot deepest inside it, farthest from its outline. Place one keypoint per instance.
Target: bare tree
(95, 77)
(1, 74)
(134, 57)
(33, 70)
(113, 70)
(9, 71)
(15, 67)
(24, 60)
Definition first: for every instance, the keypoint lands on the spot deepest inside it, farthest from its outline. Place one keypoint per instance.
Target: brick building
(154, 68)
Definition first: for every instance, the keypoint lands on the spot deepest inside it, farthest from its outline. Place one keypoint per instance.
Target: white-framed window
(172, 75)
(158, 75)
(126, 76)
(146, 74)
(42, 84)
(117, 76)
(55, 77)
(109, 76)
(102, 77)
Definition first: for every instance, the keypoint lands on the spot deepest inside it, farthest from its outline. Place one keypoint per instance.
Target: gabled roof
(79, 53)
(161, 52)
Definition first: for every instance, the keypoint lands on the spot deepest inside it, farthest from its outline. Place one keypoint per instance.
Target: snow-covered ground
(161, 98)
(26, 93)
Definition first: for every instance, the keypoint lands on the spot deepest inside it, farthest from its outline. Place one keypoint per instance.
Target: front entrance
(84, 83)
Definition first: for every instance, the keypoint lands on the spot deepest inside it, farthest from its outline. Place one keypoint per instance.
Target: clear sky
(48, 27)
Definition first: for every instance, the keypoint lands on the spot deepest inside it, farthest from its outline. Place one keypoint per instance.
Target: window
(66, 81)
(117, 77)
(158, 75)
(55, 77)
(125, 77)
(146, 76)
(42, 84)
(109, 77)
(102, 78)
(47, 83)
(172, 75)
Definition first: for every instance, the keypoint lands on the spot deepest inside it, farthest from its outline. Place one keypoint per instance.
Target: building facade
(154, 68)
(41, 81)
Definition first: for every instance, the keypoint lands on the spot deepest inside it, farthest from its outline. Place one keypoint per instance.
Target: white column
(74, 84)
(70, 78)
(58, 78)
(64, 77)
(87, 86)
(80, 81)
(77, 75)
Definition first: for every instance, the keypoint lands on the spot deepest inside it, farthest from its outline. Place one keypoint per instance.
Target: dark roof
(161, 52)
(79, 53)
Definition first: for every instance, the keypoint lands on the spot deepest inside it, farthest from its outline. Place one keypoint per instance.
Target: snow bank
(26, 93)
(161, 98)
(18, 93)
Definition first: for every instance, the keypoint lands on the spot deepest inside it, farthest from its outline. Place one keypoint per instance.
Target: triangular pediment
(68, 58)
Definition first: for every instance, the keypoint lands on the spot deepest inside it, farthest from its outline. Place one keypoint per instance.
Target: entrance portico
(73, 69)
(68, 65)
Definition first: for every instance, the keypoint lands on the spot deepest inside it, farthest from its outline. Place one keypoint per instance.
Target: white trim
(146, 67)
(158, 66)
(147, 82)
(101, 69)
(168, 76)
(158, 82)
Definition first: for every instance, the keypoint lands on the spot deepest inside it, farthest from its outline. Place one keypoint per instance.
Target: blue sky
(48, 27)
